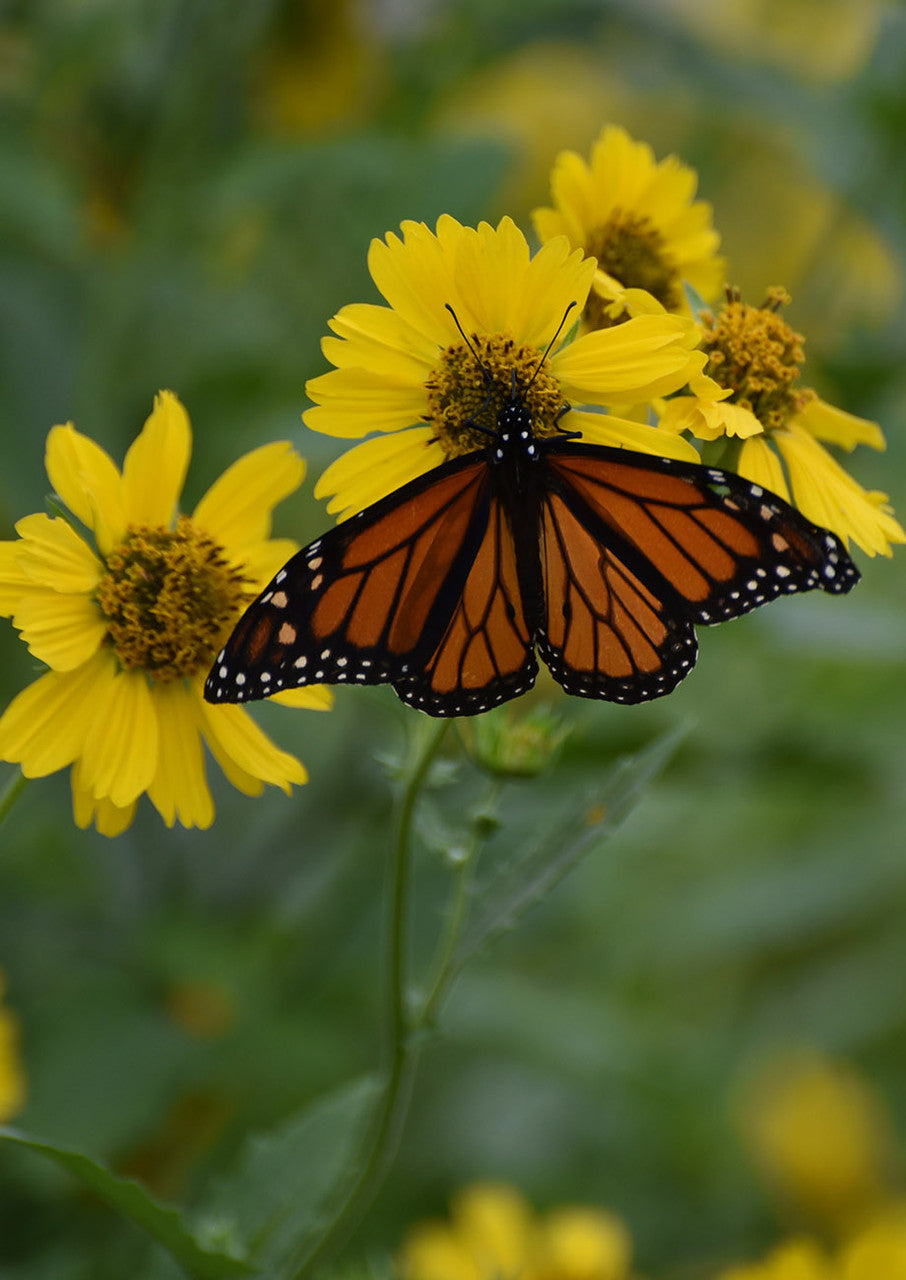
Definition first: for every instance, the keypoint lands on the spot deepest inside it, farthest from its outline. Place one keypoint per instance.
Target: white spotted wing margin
(368, 602)
(636, 549)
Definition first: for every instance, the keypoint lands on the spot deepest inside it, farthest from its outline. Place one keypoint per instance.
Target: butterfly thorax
(515, 478)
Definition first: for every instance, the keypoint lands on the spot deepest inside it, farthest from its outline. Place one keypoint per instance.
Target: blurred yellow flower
(841, 269)
(532, 99)
(129, 625)
(878, 1252)
(639, 219)
(407, 363)
(793, 1260)
(815, 39)
(492, 1234)
(319, 70)
(12, 1073)
(820, 1136)
(750, 393)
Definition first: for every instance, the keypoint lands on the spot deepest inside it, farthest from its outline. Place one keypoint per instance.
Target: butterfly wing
(635, 549)
(368, 601)
(486, 654)
(608, 633)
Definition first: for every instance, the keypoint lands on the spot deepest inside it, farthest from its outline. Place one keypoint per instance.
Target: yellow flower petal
(829, 496)
(121, 746)
(486, 274)
(238, 507)
(622, 433)
(708, 419)
(644, 357)
(110, 819)
(44, 727)
(15, 585)
(415, 274)
(376, 338)
(179, 788)
(355, 402)
(724, 419)
(511, 292)
(371, 470)
(259, 561)
(316, 697)
(156, 463)
(87, 480)
(60, 629)
(232, 735)
(836, 426)
(52, 554)
(759, 463)
(681, 413)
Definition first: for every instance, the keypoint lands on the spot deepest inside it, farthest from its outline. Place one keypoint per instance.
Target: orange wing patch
(672, 521)
(392, 571)
(485, 655)
(606, 633)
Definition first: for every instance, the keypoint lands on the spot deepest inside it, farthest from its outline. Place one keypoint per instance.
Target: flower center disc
(630, 248)
(461, 393)
(756, 354)
(168, 596)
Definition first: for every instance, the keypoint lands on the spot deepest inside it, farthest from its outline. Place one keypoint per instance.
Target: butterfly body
(600, 559)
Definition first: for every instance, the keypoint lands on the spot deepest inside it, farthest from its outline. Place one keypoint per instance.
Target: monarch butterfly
(599, 558)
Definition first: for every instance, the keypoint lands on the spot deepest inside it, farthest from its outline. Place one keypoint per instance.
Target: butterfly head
(490, 391)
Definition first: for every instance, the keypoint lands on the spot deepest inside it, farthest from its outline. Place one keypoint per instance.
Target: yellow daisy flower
(128, 626)
(749, 392)
(407, 363)
(639, 219)
(492, 1234)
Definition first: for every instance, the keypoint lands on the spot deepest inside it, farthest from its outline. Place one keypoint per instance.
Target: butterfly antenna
(478, 359)
(547, 349)
(472, 420)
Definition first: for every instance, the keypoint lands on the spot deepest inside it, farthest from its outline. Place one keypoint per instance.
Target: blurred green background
(187, 192)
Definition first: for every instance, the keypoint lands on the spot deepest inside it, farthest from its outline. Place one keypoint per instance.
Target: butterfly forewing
(365, 601)
(486, 654)
(709, 543)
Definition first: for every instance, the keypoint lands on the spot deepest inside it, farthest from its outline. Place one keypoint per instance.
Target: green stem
(11, 795)
(401, 1045)
(445, 965)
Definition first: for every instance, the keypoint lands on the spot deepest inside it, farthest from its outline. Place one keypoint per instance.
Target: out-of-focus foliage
(188, 191)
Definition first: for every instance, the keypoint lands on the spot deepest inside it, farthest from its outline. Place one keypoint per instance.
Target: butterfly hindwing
(606, 633)
(486, 654)
(363, 602)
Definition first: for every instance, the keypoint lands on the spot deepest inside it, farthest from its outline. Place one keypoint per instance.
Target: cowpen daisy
(404, 370)
(638, 218)
(126, 602)
(750, 394)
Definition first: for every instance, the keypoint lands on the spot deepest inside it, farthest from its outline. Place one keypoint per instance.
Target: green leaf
(287, 1181)
(130, 1199)
(531, 876)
